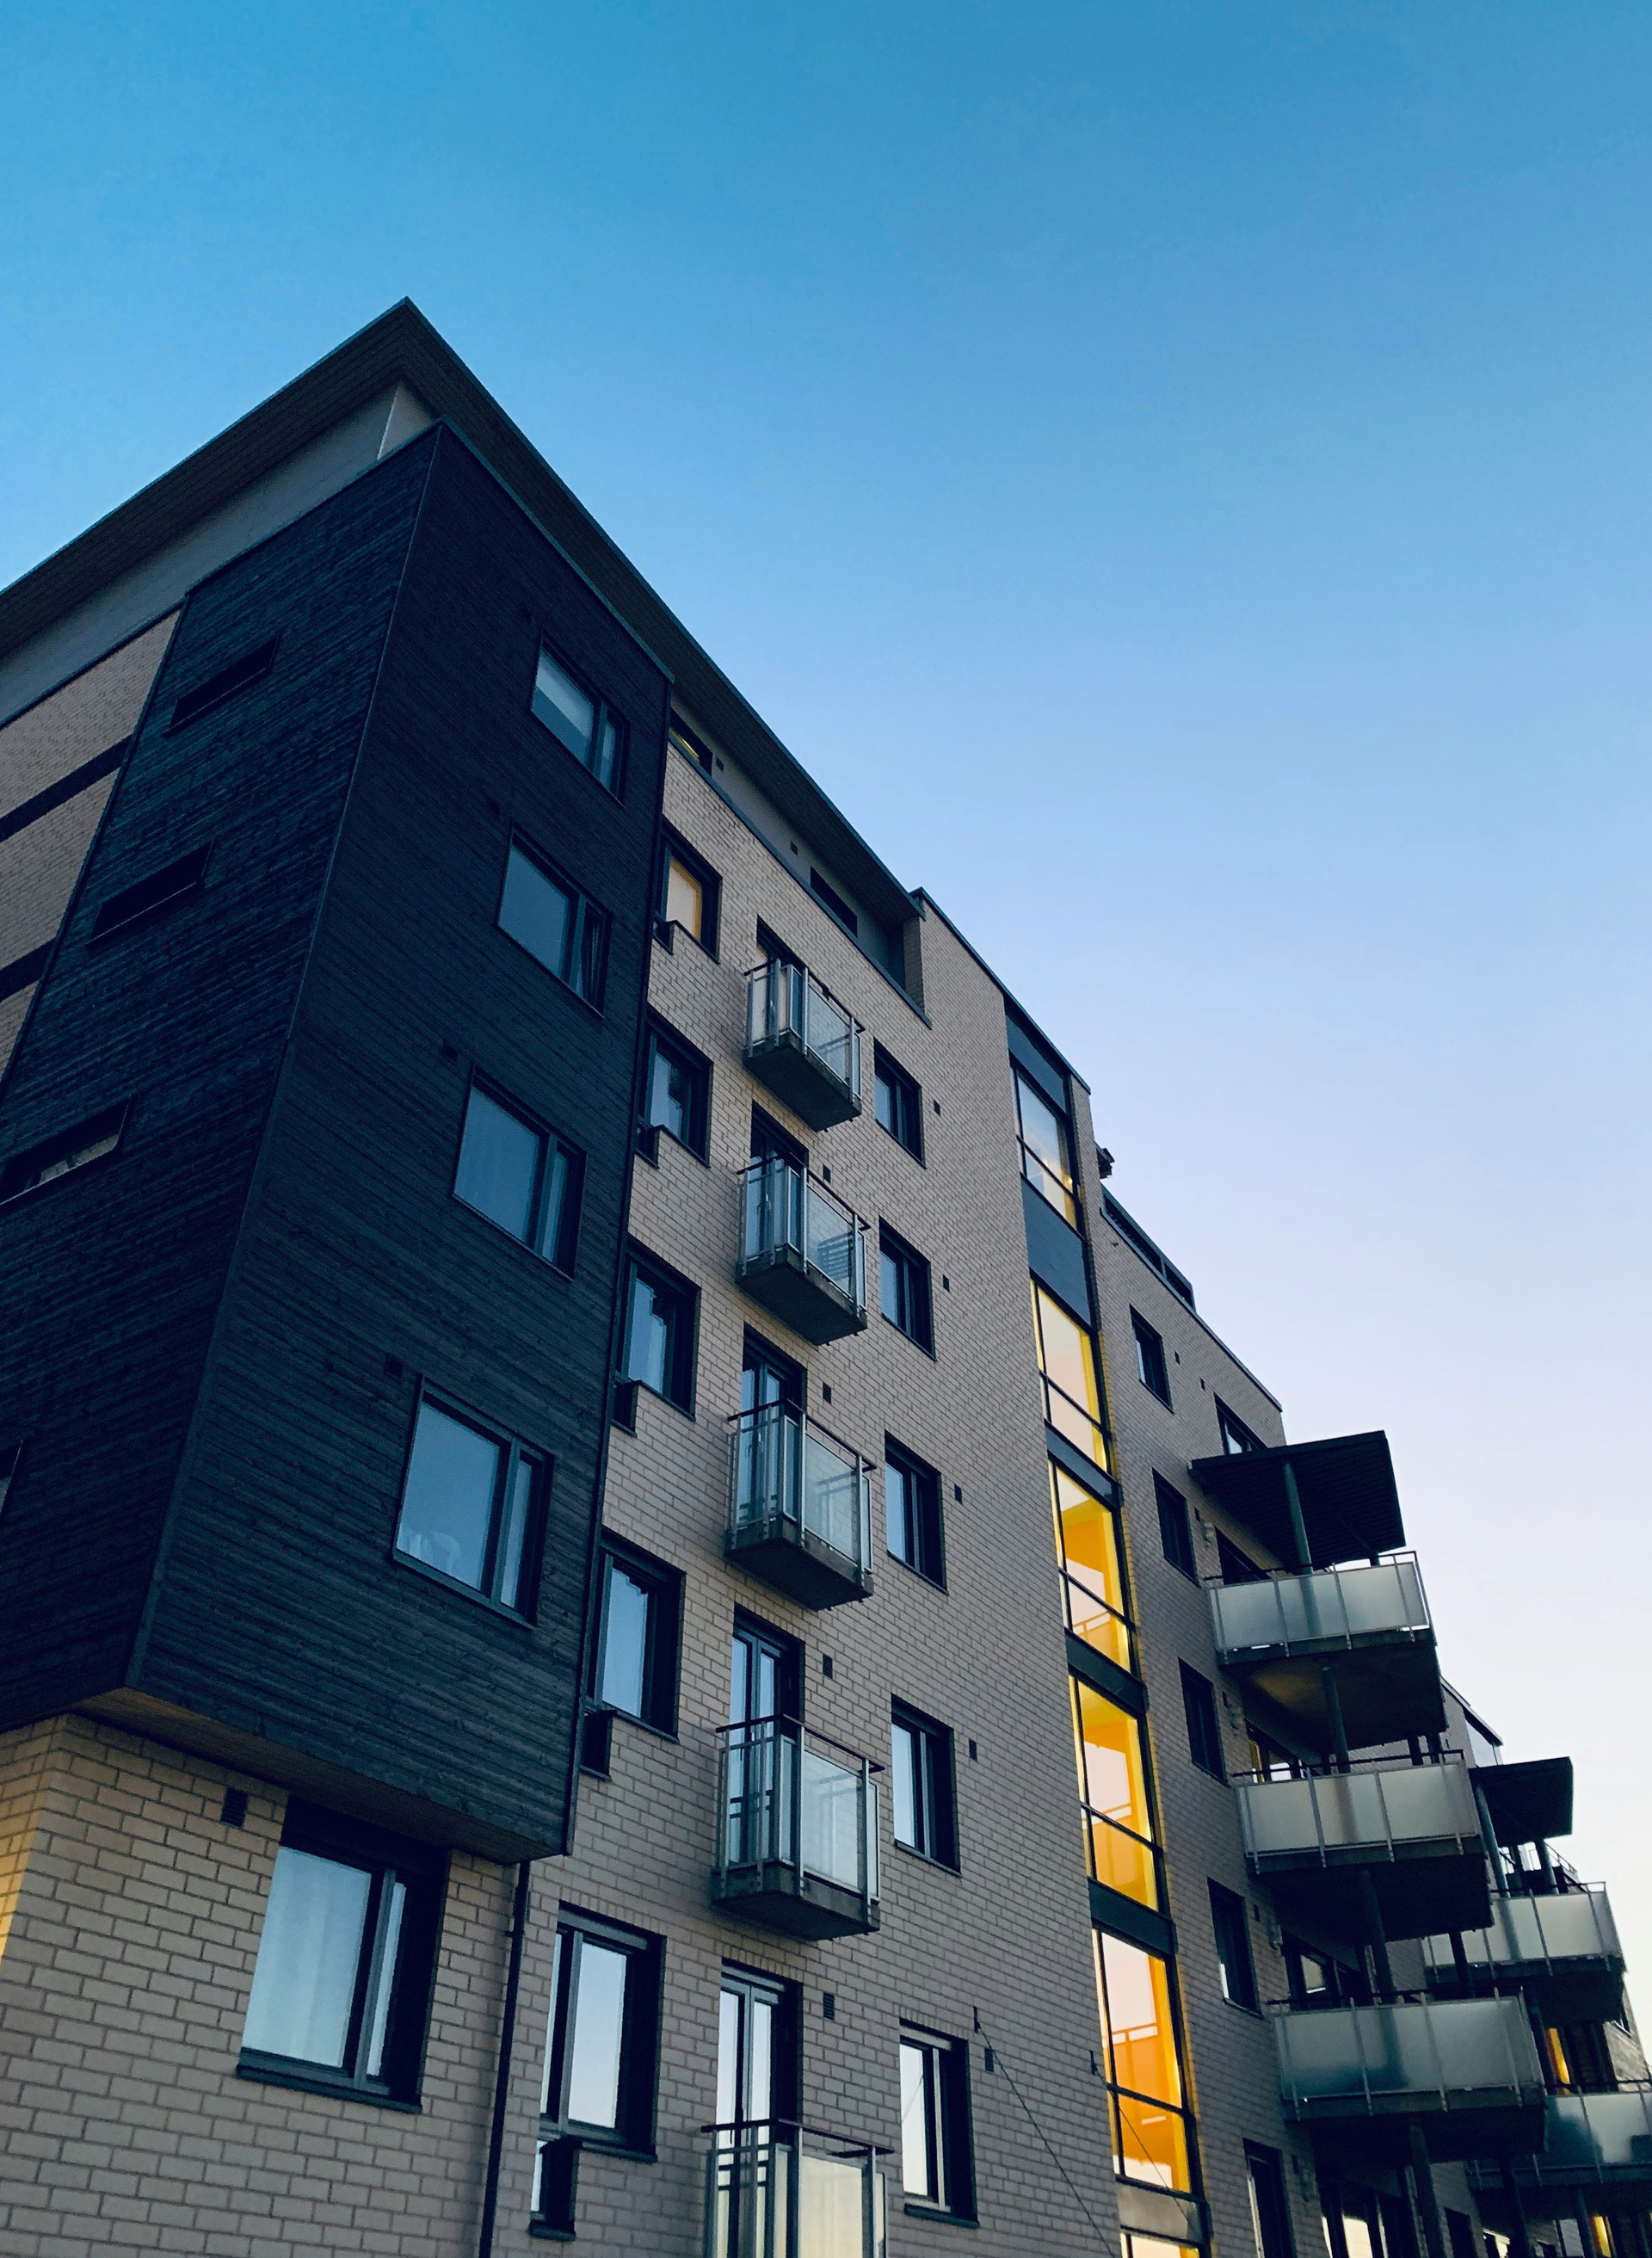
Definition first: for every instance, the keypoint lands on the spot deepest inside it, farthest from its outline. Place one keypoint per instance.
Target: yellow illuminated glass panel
(1067, 1358)
(1557, 2056)
(1154, 2246)
(1141, 2037)
(684, 899)
(1113, 1785)
(1087, 1532)
(1150, 2143)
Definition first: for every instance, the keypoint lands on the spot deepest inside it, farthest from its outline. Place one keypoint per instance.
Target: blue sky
(1181, 476)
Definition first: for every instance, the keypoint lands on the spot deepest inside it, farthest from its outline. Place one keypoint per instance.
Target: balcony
(1595, 2147)
(1562, 1951)
(797, 1831)
(803, 1043)
(1366, 1628)
(802, 1253)
(1467, 2071)
(799, 1507)
(1413, 1828)
(779, 2191)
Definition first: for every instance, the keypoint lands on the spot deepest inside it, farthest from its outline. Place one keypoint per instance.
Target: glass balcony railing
(802, 1251)
(1348, 1648)
(803, 1043)
(799, 1507)
(780, 2190)
(796, 1830)
(1592, 2144)
(1471, 2058)
(1334, 1606)
(1565, 1949)
(1375, 1813)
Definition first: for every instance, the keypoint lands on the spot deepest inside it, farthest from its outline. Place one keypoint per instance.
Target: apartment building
(637, 1611)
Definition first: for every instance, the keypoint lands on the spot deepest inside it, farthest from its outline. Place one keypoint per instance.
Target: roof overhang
(1350, 1508)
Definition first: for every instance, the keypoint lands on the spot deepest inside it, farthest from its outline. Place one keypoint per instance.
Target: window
(1045, 1159)
(659, 1342)
(92, 1139)
(1204, 1734)
(921, 1787)
(903, 1278)
(601, 2046)
(1270, 2213)
(1237, 1439)
(241, 674)
(634, 1669)
(679, 1083)
(1067, 1360)
(765, 1673)
(898, 1102)
(1112, 1768)
(1268, 1759)
(911, 1511)
(1151, 2139)
(471, 1507)
(593, 733)
(1174, 1534)
(520, 1176)
(554, 923)
(690, 893)
(757, 2050)
(1087, 1544)
(1151, 1368)
(1231, 1927)
(1236, 1567)
(158, 891)
(824, 890)
(936, 2165)
(343, 1979)
(1317, 1979)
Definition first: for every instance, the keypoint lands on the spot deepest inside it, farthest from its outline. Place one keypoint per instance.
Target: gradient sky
(1180, 475)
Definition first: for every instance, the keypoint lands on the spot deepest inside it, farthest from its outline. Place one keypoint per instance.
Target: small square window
(591, 731)
(903, 1281)
(634, 1667)
(921, 1786)
(1175, 1534)
(92, 1139)
(553, 921)
(520, 1176)
(1204, 1732)
(911, 1511)
(342, 1984)
(678, 1090)
(1229, 1919)
(602, 2052)
(690, 893)
(1151, 1368)
(472, 1504)
(936, 2168)
(899, 1103)
(660, 1308)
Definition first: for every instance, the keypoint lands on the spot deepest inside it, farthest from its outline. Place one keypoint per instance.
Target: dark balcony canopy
(1345, 1486)
(1527, 1802)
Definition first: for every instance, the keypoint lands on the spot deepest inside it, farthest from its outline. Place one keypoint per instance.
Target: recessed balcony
(797, 1831)
(780, 2191)
(1414, 1830)
(1466, 2071)
(799, 1507)
(1595, 2148)
(1561, 1950)
(803, 1043)
(802, 1253)
(1367, 1627)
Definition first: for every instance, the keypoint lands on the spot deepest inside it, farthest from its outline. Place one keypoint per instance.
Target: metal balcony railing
(797, 1843)
(780, 2191)
(1374, 1813)
(1463, 2057)
(1565, 1949)
(802, 1251)
(803, 1042)
(1286, 1613)
(1592, 2144)
(799, 1506)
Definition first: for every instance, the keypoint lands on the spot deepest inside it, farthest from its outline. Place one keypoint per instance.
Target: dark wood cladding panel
(113, 1280)
(282, 1608)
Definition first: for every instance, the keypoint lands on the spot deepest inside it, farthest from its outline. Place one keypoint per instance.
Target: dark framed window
(897, 1102)
(904, 1288)
(937, 2164)
(1092, 1567)
(691, 892)
(1231, 1927)
(472, 1506)
(1175, 1533)
(921, 1792)
(1072, 1383)
(1317, 1978)
(519, 1174)
(601, 2054)
(661, 1310)
(1236, 1567)
(554, 923)
(691, 744)
(1204, 1733)
(634, 1667)
(1237, 1437)
(911, 1511)
(341, 1989)
(1114, 1783)
(586, 724)
(765, 1672)
(1152, 2133)
(1046, 1150)
(1268, 1759)
(1270, 2212)
(759, 2047)
(95, 1138)
(160, 890)
(1459, 2234)
(1151, 1368)
(679, 1087)
(240, 674)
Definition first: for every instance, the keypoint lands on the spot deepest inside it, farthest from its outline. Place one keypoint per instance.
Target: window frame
(632, 2131)
(1150, 1357)
(661, 1585)
(422, 1870)
(1271, 2211)
(563, 1255)
(1231, 1912)
(1098, 1434)
(1118, 2091)
(675, 848)
(603, 713)
(684, 1347)
(663, 1039)
(514, 1453)
(907, 1105)
(1174, 1514)
(913, 1269)
(1081, 1580)
(590, 926)
(1237, 1439)
(1202, 1723)
(1094, 1814)
(948, 2128)
(929, 1514)
(1035, 1170)
(100, 1136)
(934, 1786)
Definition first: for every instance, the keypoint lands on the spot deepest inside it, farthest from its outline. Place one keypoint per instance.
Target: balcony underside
(1422, 1888)
(807, 1906)
(1388, 1684)
(1542, 2180)
(1558, 1992)
(799, 1563)
(800, 1295)
(801, 1079)
(1454, 2127)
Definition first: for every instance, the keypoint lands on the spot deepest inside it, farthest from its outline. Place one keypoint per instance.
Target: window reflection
(1144, 2065)
(1067, 1359)
(1113, 1785)
(1087, 1537)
